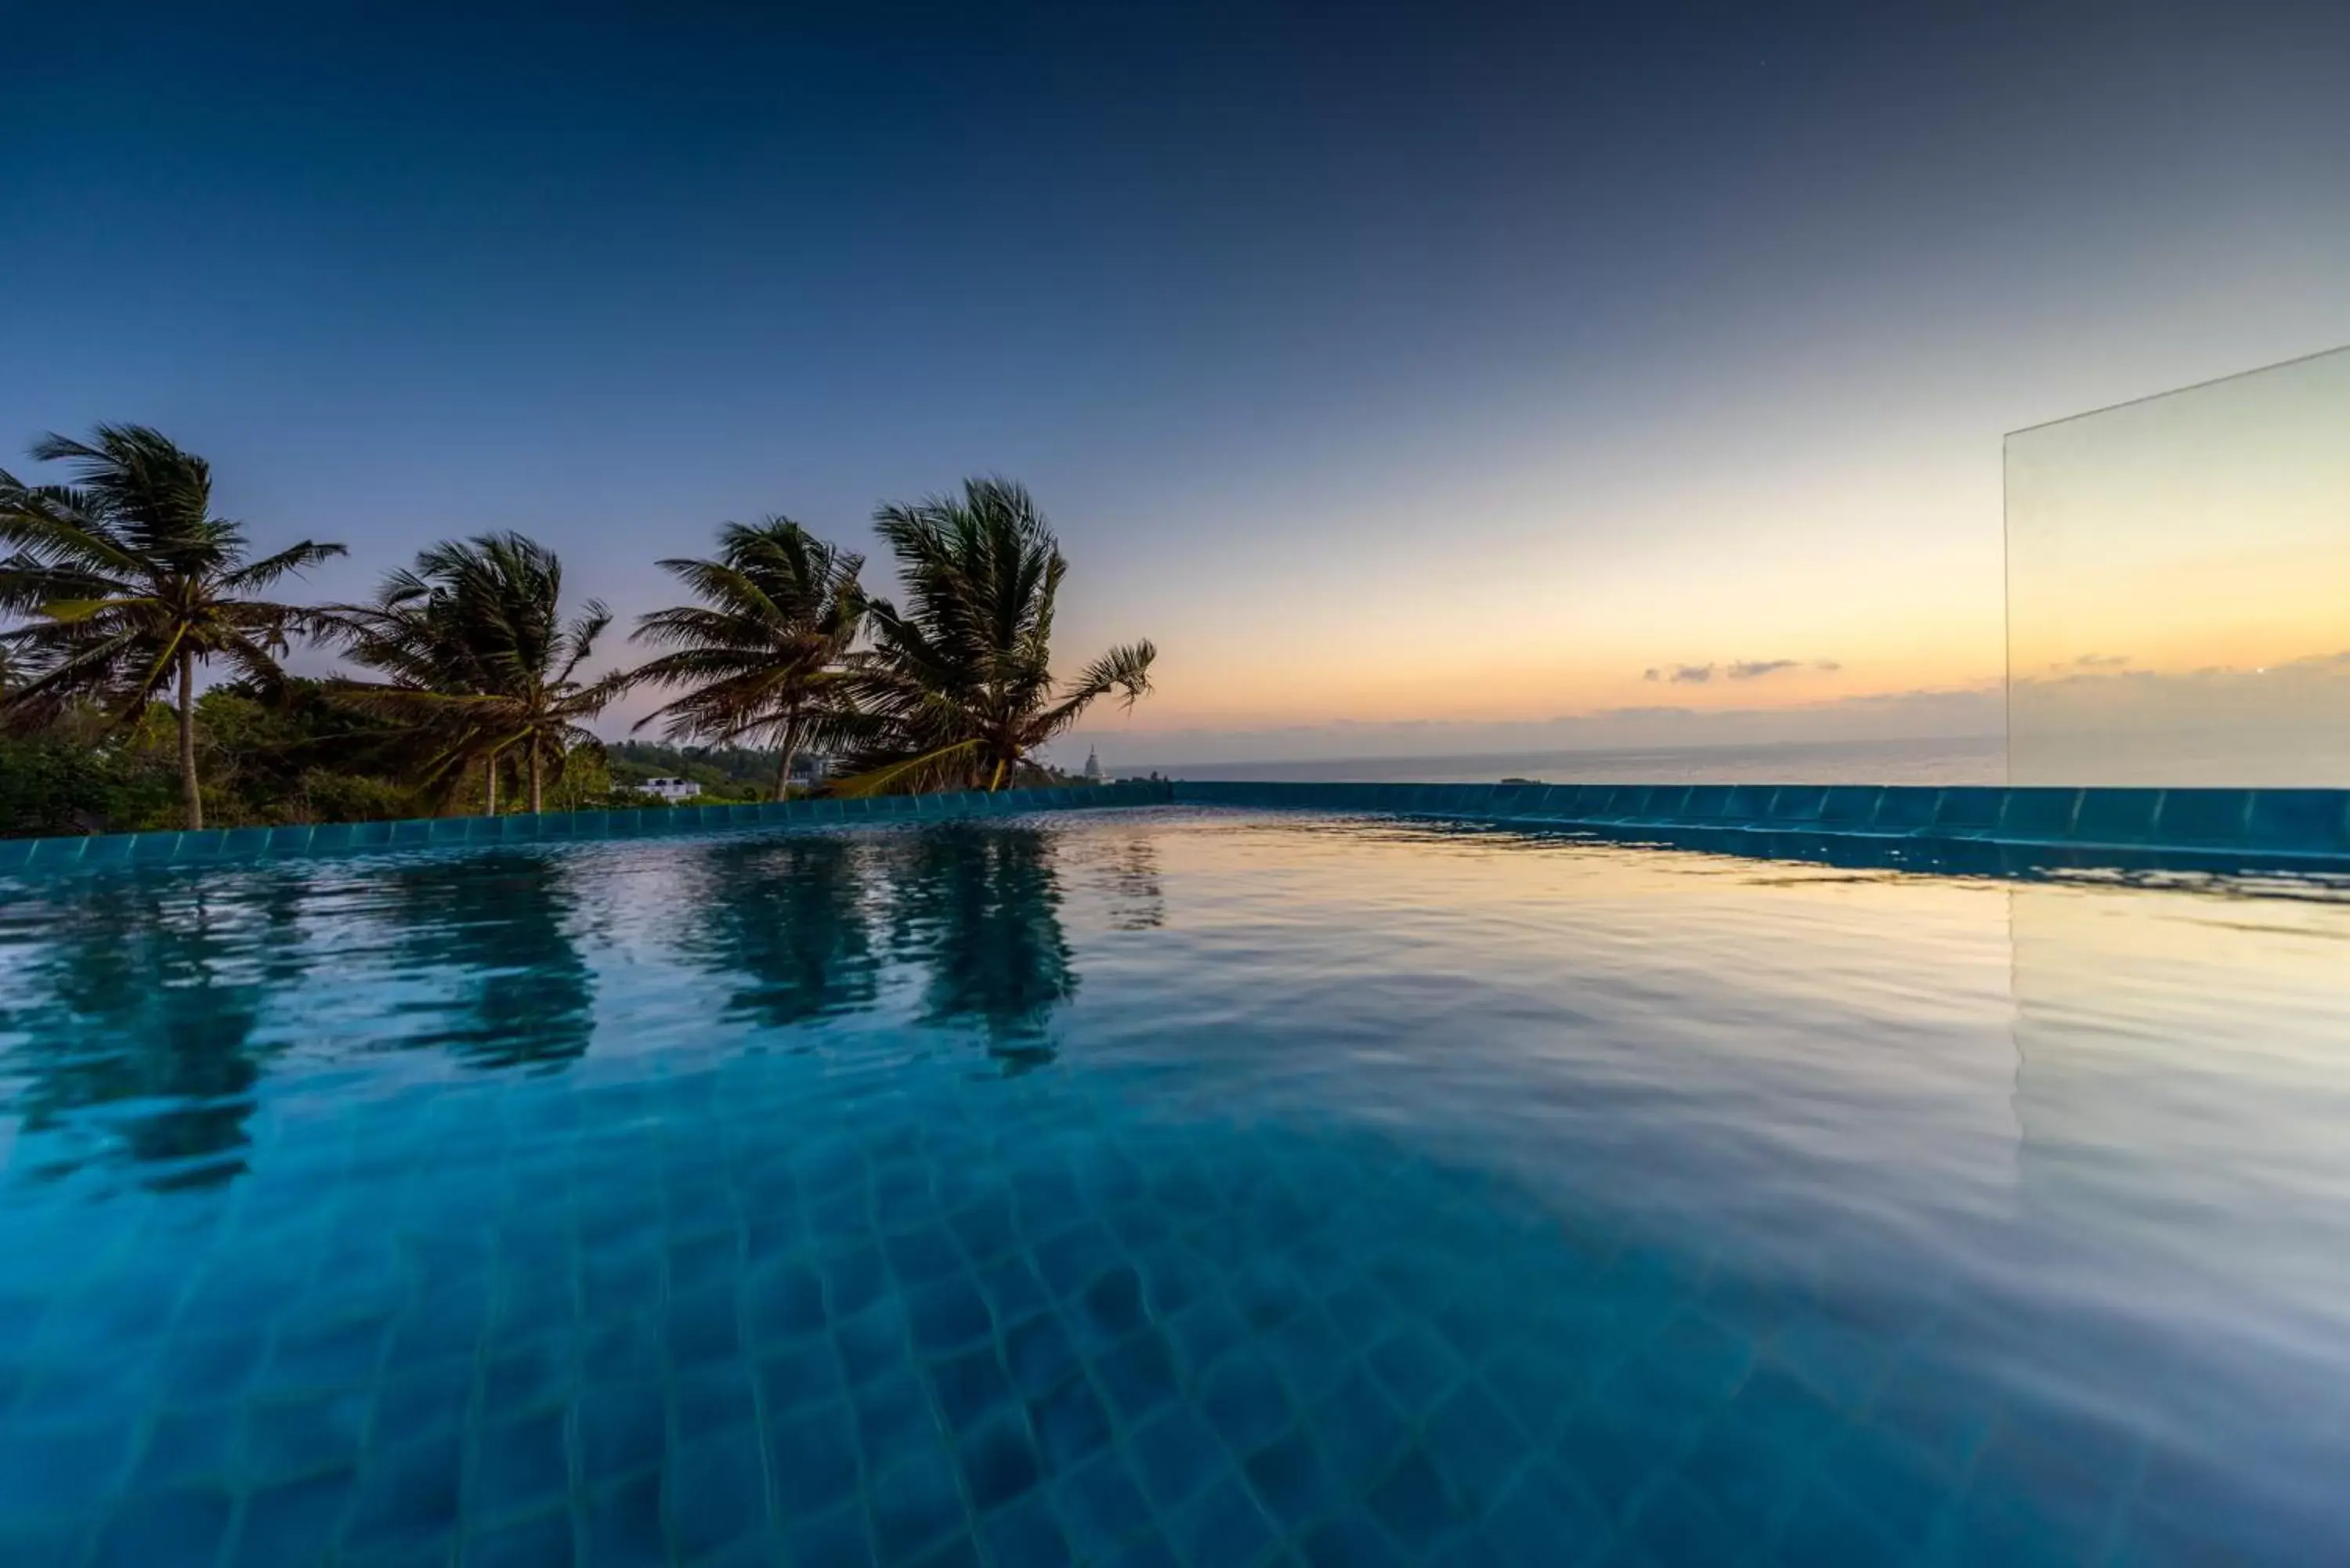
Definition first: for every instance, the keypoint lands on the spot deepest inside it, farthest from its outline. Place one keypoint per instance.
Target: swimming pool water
(1168, 1187)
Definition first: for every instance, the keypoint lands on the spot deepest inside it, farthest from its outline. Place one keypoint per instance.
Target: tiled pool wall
(1955, 825)
(2285, 826)
(239, 844)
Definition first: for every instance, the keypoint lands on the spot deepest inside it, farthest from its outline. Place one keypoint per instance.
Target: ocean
(1961, 759)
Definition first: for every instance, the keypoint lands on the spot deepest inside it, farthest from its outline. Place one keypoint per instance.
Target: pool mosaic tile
(643, 1264)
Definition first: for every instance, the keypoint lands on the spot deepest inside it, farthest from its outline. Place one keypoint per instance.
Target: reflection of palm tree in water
(979, 907)
(503, 921)
(785, 920)
(150, 993)
(1128, 869)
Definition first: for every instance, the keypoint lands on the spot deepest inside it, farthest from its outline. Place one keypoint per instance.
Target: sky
(1414, 378)
(2178, 587)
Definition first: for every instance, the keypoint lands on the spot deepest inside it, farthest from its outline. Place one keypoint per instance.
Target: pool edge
(2284, 829)
(36, 858)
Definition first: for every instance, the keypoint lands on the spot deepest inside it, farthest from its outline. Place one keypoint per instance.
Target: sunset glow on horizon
(1404, 375)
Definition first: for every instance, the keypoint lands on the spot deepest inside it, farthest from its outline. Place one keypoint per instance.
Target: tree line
(121, 585)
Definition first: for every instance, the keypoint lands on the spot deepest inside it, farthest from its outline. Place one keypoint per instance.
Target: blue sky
(1408, 367)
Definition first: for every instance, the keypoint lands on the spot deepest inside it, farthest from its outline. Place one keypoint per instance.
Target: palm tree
(481, 662)
(958, 690)
(135, 583)
(760, 655)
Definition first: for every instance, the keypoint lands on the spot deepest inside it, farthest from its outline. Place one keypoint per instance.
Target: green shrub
(56, 784)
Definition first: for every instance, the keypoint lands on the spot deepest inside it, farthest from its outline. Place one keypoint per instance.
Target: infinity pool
(1159, 1187)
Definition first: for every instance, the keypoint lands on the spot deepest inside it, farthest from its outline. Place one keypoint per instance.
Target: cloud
(1979, 708)
(1743, 670)
(2096, 661)
(2271, 724)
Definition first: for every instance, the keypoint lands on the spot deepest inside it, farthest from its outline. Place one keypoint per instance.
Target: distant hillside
(731, 773)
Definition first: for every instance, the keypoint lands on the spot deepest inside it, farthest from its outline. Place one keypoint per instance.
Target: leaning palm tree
(760, 658)
(480, 661)
(133, 583)
(957, 690)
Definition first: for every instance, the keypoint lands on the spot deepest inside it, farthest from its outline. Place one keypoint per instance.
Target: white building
(1093, 766)
(672, 789)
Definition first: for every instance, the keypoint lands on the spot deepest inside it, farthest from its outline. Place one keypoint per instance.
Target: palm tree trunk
(784, 772)
(493, 791)
(537, 800)
(190, 795)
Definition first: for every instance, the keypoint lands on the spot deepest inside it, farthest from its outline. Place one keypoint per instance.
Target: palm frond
(927, 770)
(578, 641)
(155, 673)
(293, 559)
(763, 647)
(67, 612)
(1126, 669)
(88, 667)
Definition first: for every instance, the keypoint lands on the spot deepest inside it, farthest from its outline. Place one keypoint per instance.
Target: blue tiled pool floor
(913, 1341)
(1181, 1190)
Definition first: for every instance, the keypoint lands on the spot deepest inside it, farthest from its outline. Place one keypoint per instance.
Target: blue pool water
(1163, 1187)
